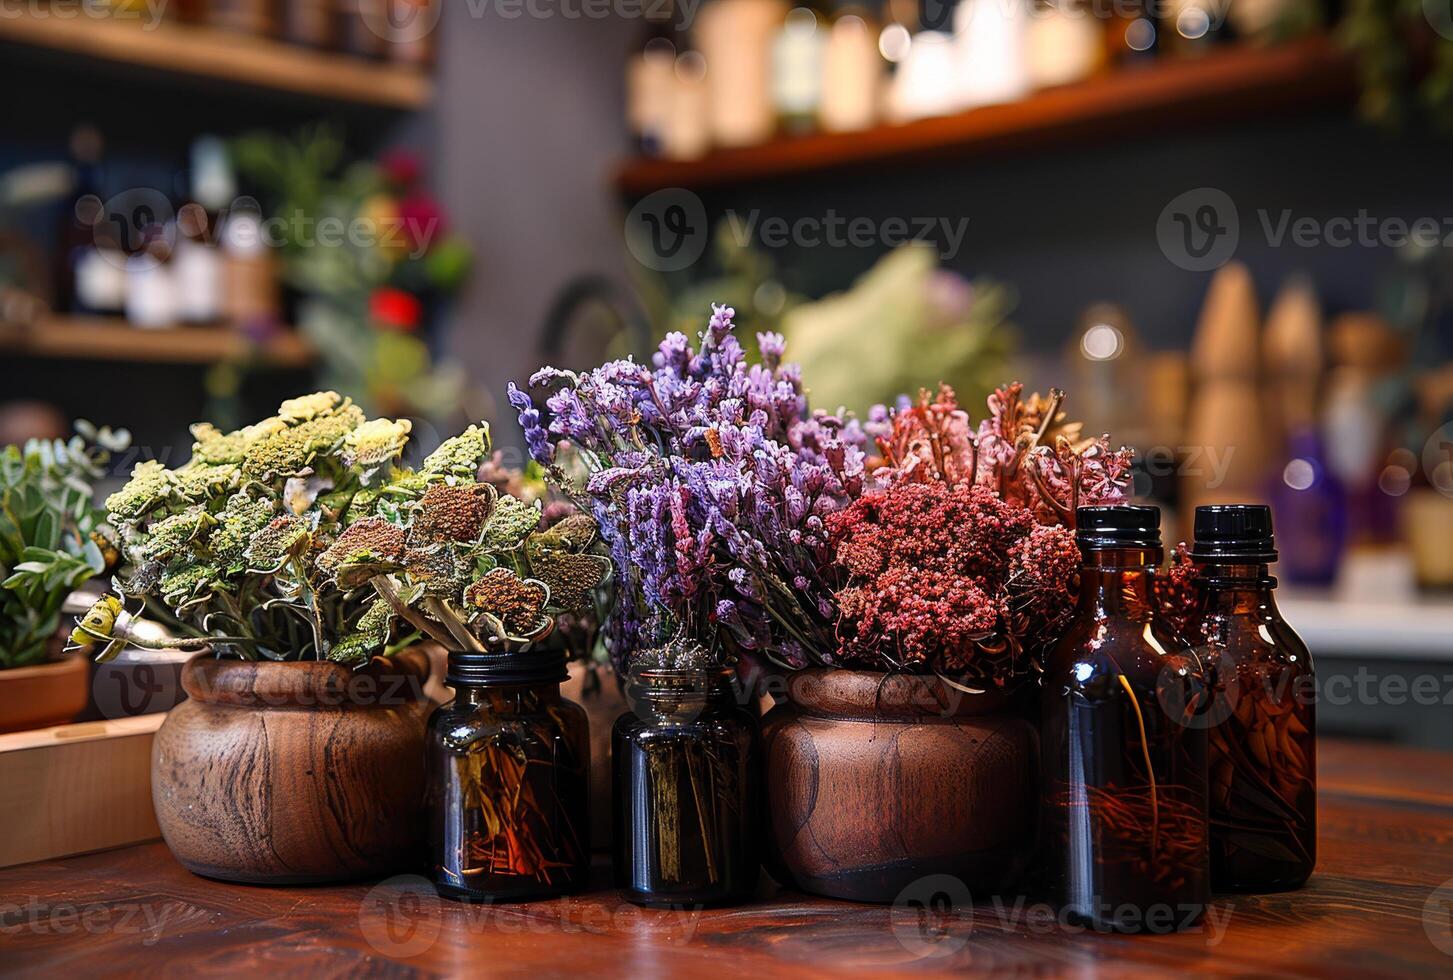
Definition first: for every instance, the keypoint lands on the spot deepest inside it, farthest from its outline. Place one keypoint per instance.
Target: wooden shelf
(102, 339)
(234, 58)
(1237, 83)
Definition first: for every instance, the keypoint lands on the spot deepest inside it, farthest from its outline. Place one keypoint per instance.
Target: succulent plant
(52, 537)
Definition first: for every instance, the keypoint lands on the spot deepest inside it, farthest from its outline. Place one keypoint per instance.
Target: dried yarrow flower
(367, 638)
(376, 442)
(307, 407)
(461, 456)
(283, 538)
(512, 600)
(149, 487)
(173, 534)
(510, 524)
(452, 513)
(437, 569)
(372, 539)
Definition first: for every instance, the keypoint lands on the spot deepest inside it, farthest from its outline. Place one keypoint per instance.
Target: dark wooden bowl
(290, 773)
(874, 782)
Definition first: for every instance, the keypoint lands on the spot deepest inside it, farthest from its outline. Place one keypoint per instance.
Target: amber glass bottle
(508, 763)
(1262, 725)
(687, 798)
(1124, 837)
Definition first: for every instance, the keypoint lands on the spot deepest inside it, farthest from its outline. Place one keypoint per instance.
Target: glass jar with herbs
(508, 780)
(686, 763)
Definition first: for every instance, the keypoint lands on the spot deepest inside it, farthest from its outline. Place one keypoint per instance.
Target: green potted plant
(297, 757)
(52, 540)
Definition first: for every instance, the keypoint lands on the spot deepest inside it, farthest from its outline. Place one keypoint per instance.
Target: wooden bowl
(290, 773)
(874, 782)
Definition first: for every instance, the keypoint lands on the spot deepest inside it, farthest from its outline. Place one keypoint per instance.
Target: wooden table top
(1380, 904)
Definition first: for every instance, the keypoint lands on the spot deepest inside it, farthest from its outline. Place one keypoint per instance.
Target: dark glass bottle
(1123, 761)
(508, 780)
(687, 797)
(1262, 725)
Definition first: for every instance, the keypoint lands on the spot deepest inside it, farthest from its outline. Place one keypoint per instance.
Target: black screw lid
(1234, 532)
(1126, 526)
(534, 666)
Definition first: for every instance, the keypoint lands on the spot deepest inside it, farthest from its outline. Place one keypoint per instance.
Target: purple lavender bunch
(711, 481)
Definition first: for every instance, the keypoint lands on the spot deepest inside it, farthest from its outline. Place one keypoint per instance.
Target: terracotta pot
(289, 773)
(875, 781)
(44, 695)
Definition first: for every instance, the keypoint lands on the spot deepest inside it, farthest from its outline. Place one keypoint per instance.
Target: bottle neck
(508, 698)
(1117, 580)
(680, 695)
(1237, 588)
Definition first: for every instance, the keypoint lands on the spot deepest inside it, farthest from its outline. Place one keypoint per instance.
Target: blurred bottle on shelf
(651, 81)
(1189, 28)
(990, 51)
(925, 83)
(797, 70)
(411, 31)
(1064, 43)
(735, 37)
(1366, 353)
(852, 70)
(151, 285)
(78, 285)
(256, 17)
(1132, 35)
(361, 28)
(1109, 373)
(310, 23)
(198, 262)
(1306, 496)
(688, 125)
(1226, 423)
(250, 296)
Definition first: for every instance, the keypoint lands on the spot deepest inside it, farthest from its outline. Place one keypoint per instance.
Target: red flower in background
(395, 309)
(424, 221)
(401, 168)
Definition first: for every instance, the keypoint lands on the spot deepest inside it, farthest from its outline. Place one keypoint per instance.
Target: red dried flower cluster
(1025, 450)
(1175, 588)
(951, 578)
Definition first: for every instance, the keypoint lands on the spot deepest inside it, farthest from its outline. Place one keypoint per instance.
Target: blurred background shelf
(100, 339)
(225, 56)
(1413, 628)
(1231, 84)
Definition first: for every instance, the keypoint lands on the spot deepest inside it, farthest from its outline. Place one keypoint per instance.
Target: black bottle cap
(1127, 526)
(1234, 532)
(535, 666)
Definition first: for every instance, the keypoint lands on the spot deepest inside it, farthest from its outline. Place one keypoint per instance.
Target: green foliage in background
(904, 320)
(52, 537)
(1389, 38)
(386, 366)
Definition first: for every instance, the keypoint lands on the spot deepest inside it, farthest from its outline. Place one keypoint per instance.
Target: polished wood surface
(1234, 84)
(1372, 909)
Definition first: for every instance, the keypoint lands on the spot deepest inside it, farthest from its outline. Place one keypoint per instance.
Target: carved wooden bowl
(875, 782)
(290, 773)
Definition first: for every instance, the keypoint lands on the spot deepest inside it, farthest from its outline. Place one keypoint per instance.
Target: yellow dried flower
(376, 441)
(308, 407)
